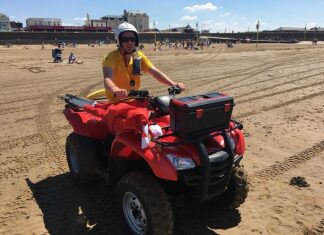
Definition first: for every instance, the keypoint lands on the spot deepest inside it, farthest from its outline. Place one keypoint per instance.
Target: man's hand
(120, 93)
(181, 86)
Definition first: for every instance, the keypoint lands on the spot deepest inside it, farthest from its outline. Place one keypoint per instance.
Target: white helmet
(125, 27)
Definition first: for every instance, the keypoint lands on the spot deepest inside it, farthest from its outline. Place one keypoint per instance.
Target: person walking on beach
(123, 67)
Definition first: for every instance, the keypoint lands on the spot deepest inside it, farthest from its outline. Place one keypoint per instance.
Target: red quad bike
(154, 149)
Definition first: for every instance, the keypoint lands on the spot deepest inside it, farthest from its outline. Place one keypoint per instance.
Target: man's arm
(163, 78)
(111, 86)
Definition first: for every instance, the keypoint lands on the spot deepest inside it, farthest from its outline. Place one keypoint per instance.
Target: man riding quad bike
(153, 149)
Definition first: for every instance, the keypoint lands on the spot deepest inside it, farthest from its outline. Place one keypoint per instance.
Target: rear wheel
(144, 205)
(82, 158)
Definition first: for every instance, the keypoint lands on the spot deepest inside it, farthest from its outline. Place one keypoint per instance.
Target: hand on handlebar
(176, 89)
(181, 86)
(120, 93)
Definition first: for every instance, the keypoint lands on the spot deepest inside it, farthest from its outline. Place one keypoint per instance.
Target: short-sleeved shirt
(122, 73)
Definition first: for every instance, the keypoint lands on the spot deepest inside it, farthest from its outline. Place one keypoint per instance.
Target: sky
(215, 16)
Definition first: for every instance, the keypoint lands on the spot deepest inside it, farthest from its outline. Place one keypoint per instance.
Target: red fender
(125, 144)
(239, 140)
(86, 124)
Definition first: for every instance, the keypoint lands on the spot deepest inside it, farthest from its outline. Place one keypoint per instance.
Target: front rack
(194, 138)
(76, 102)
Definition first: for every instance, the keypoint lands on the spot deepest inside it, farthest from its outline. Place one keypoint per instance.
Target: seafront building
(4, 22)
(139, 19)
(16, 26)
(109, 21)
(185, 29)
(43, 22)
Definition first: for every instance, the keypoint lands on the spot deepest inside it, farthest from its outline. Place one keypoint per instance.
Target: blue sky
(216, 16)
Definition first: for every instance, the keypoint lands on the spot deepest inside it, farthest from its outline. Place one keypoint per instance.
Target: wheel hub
(134, 213)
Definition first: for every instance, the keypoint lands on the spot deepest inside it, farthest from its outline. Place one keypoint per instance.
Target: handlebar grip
(174, 90)
(133, 93)
(138, 93)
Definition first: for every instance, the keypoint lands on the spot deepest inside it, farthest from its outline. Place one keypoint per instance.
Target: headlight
(181, 163)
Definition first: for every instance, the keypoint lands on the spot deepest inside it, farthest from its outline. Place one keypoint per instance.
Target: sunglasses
(127, 39)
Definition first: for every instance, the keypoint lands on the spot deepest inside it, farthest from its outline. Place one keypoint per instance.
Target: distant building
(205, 31)
(139, 19)
(111, 21)
(4, 23)
(43, 22)
(289, 29)
(318, 29)
(186, 29)
(16, 25)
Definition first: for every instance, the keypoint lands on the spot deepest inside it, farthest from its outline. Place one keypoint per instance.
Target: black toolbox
(196, 115)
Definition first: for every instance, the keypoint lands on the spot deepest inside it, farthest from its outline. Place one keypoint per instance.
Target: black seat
(162, 104)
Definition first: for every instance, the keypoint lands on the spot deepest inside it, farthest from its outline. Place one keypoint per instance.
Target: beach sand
(279, 96)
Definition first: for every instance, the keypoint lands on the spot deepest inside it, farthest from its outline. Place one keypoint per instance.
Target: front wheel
(144, 205)
(236, 192)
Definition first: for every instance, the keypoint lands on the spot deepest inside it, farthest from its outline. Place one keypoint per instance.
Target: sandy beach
(279, 95)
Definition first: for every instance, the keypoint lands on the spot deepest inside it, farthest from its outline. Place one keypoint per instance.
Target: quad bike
(154, 149)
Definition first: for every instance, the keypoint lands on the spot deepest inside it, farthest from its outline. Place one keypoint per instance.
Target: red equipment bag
(126, 117)
(104, 119)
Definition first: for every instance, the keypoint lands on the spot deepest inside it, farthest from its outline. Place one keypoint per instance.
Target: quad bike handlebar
(160, 104)
(77, 102)
(174, 90)
(138, 93)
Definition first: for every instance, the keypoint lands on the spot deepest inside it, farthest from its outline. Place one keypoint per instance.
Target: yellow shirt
(122, 73)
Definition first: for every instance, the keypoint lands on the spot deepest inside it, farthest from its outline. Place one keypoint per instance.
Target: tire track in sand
(39, 138)
(28, 140)
(276, 64)
(247, 73)
(276, 106)
(276, 78)
(270, 172)
(20, 142)
(277, 93)
(19, 166)
(54, 152)
(50, 80)
(317, 230)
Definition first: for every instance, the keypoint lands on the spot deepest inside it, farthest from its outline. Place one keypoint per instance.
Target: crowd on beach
(184, 44)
